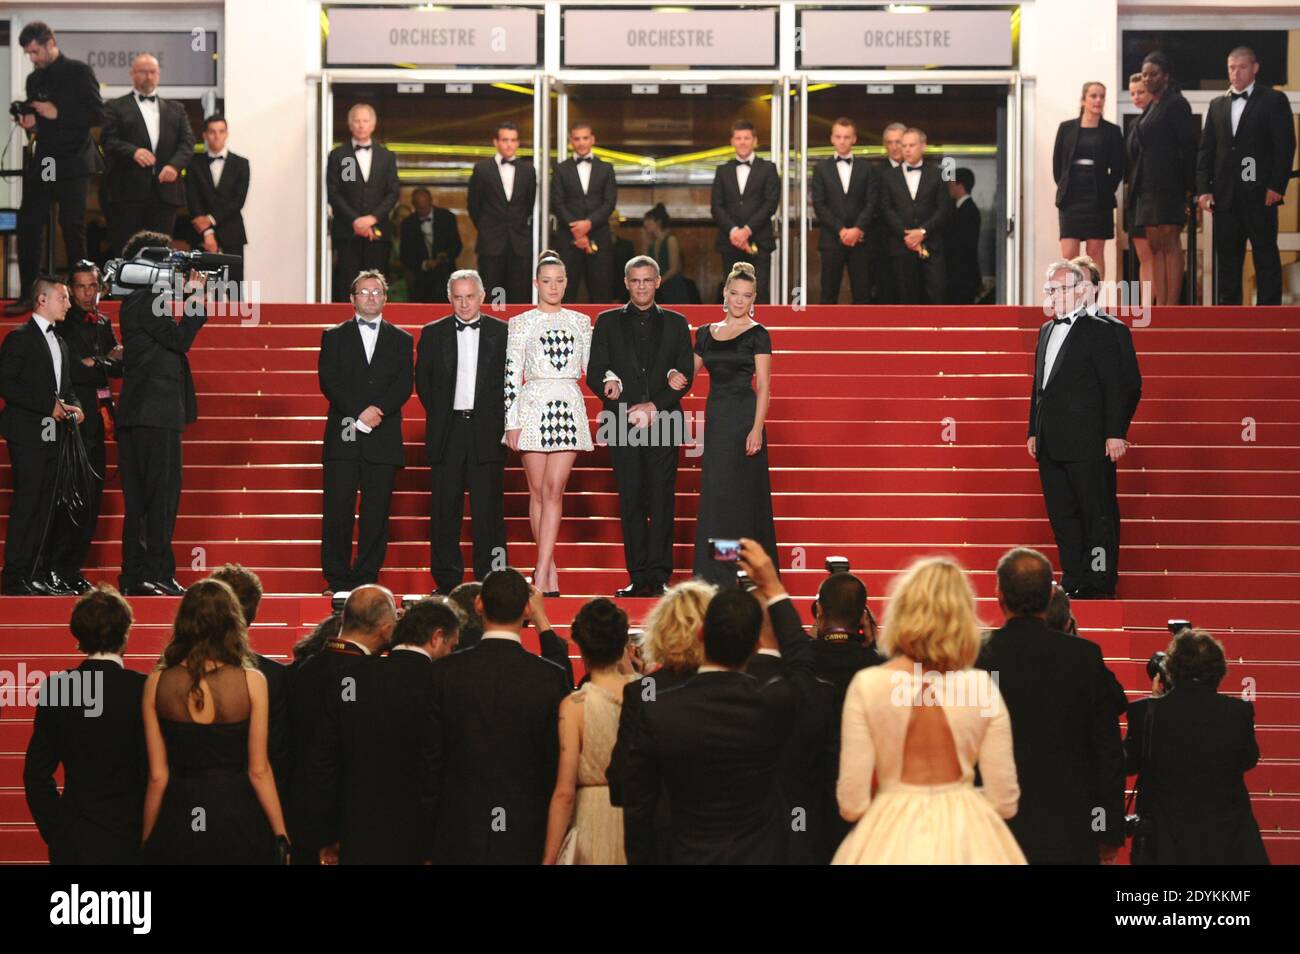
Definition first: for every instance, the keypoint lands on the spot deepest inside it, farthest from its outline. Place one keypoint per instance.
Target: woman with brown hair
(1088, 162)
(211, 797)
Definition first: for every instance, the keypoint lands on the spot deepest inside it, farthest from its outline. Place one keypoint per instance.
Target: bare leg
(1069, 248)
(1097, 252)
(558, 466)
(1146, 269)
(535, 470)
(1175, 265)
(1155, 240)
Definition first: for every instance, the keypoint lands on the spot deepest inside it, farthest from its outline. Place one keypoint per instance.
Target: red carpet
(862, 467)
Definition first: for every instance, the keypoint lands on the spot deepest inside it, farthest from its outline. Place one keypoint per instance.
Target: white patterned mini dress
(546, 358)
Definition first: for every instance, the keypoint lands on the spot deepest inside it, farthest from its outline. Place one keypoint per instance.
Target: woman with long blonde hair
(920, 724)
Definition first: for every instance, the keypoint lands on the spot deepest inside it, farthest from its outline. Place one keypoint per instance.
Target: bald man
(148, 142)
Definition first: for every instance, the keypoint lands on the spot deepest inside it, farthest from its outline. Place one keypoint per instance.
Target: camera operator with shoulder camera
(1190, 747)
(61, 106)
(156, 404)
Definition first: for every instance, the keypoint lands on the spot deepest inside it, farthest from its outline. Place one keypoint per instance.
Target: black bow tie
(1063, 321)
(582, 158)
(361, 148)
(472, 325)
(1245, 95)
(368, 325)
(216, 158)
(508, 162)
(745, 162)
(912, 168)
(49, 329)
(147, 99)
(843, 158)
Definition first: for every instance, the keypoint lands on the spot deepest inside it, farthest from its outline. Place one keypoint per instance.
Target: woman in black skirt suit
(1088, 162)
(1164, 176)
(1137, 91)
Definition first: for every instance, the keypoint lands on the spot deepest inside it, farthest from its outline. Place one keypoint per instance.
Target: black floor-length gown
(210, 814)
(735, 489)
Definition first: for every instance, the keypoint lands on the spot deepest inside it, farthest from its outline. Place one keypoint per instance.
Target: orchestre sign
(368, 36)
(699, 37)
(866, 39)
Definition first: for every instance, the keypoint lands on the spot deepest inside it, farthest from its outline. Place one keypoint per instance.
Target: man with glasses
(94, 356)
(1077, 426)
(365, 373)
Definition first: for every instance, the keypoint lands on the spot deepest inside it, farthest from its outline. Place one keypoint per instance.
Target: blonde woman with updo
(920, 724)
(735, 487)
(546, 417)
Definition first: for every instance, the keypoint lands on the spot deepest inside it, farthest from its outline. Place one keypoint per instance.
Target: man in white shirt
(148, 142)
(745, 195)
(216, 189)
(502, 190)
(362, 188)
(583, 197)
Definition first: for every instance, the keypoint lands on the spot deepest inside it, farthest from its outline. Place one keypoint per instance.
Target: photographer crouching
(156, 404)
(61, 106)
(1190, 748)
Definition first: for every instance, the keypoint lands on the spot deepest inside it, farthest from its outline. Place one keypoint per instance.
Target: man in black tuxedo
(640, 366)
(915, 206)
(148, 143)
(430, 244)
(1059, 694)
(459, 375)
(365, 374)
(157, 403)
(248, 589)
(94, 357)
(500, 204)
(36, 383)
(88, 720)
(497, 748)
(583, 195)
(372, 761)
(369, 616)
(845, 194)
(1242, 168)
(216, 186)
(961, 243)
(362, 188)
(883, 290)
(1077, 423)
(746, 193)
(64, 97)
(716, 741)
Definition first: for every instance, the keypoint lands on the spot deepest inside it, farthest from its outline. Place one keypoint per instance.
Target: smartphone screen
(726, 550)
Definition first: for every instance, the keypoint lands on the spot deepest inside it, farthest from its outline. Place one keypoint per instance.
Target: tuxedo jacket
(1265, 137)
(1083, 402)
(930, 209)
(837, 209)
(97, 818)
(351, 385)
(350, 196)
(1130, 370)
(1164, 157)
(503, 226)
(446, 240)
(613, 348)
(571, 204)
(93, 339)
(635, 695)
(436, 367)
(716, 743)
(277, 694)
(1190, 749)
(753, 208)
(157, 386)
(961, 245)
(27, 383)
(1065, 730)
(124, 132)
(1110, 161)
(224, 202)
(496, 752)
(371, 765)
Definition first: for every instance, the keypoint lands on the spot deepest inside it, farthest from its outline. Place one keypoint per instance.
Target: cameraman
(62, 105)
(157, 403)
(1191, 747)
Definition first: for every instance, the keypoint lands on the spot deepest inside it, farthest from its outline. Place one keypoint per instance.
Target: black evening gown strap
(735, 489)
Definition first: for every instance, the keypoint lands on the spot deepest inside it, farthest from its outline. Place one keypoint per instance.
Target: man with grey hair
(884, 290)
(640, 367)
(362, 189)
(915, 206)
(460, 370)
(148, 143)
(1077, 425)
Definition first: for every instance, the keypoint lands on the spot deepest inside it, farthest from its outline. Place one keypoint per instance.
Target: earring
(751, 312)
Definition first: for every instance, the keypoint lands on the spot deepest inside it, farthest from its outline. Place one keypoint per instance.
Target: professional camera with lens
(167, 268)
(20, 108)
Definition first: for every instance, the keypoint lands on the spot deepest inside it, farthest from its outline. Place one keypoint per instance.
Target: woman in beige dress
(921, 723)
(588, 726)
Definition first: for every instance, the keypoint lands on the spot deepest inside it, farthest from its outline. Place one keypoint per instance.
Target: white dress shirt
(913, 177)
(364, 158)
(408, 648)
(217, 165)
(845, 169)
(52, 343)
(742, 172)
(1055, 339)
(894, 164)
(502, 634)
(507, 176)
(369, 336)
(426, 229)
(111, 657)
(764, 651)
(584, 173)
(466, 366)
(965, 198)
(1239, 105)
(149, 110)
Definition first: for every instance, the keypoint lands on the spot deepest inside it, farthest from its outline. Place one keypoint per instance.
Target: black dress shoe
(57, 585)
(170, 587)
(632, 589)
(143, 589)
(25, 589)
(78, 583)
(656, 590)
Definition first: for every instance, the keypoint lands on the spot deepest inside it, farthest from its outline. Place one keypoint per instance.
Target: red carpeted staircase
(894, 433)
